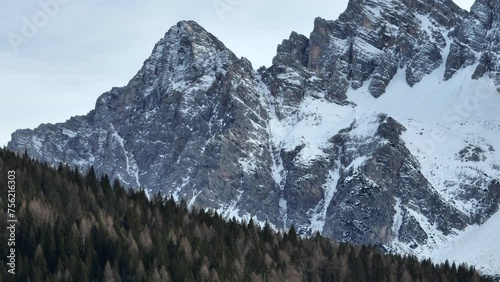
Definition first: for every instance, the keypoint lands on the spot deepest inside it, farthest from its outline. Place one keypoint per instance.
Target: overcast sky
(57, 58)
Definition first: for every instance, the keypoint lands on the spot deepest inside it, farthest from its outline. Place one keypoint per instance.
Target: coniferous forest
(74, 227)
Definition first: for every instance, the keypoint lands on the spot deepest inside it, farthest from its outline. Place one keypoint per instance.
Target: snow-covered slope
(453, 129)
(477, 245)
(452, 126)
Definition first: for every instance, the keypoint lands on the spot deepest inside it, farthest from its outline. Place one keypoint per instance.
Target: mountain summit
(379, 128)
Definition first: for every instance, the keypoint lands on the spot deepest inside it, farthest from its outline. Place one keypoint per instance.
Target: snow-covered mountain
(381, 128)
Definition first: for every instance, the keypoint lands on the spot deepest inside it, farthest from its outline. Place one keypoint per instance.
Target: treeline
(75, 227)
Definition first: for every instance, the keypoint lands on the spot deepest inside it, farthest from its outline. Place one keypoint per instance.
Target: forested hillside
(74, 227)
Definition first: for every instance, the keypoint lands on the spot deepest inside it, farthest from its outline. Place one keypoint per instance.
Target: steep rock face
(371, 40)
(477, 40)
(341, 55)
(185, 125)
(324, 139)
(388, 176)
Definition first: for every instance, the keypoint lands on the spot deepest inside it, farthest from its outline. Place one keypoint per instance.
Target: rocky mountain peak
(188, 45)
(486, 11)
(444, 12)
(477, 40)
(187, 54)
(293, 50)
(372, 40)
(189, 33)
